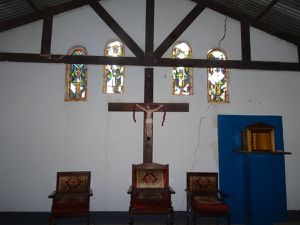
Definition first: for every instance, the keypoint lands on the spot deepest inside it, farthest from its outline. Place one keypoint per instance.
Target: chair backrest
(150, 175)
(73, 182)
(203, 183)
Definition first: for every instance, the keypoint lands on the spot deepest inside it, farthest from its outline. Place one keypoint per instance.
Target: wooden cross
(148, 99)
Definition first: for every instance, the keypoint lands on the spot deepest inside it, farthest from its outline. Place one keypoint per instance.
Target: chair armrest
(129, 190)
(222, 195)
(171, 190)
(189, 193)
(52, 194)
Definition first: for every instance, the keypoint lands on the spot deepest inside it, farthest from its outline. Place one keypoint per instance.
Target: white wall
(41, 134)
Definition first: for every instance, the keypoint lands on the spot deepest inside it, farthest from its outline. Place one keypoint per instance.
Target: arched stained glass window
(113, 81)
(217, 78)
(182, 76)
(76, 77)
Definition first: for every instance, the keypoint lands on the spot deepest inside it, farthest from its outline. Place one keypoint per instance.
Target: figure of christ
(149, 119)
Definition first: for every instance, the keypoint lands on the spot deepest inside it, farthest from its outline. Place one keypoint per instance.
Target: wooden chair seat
(209, 204)
(155, 199)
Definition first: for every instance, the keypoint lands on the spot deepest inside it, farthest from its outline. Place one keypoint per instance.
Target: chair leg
(190, 217)
(194, 218)
(51, 220)
(130, 219)
(223, 220)
(187, 218)
(130, 216)
(88, 220)
(229, 219)
(170, 218)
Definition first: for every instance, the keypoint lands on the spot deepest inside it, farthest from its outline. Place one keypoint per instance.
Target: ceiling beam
(245, 41)
(149, 32)
(32, 17)
(299, 53)
(46, 35)
(117, 29)
(230, 64)
(70, 59)
(182, 26)
(161, 62)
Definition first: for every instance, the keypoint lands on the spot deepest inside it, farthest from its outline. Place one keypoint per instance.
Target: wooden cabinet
(258, 137)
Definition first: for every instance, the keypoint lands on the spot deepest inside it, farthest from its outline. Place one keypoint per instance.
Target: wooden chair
(150, 192)
(72, 196)
(204, 199)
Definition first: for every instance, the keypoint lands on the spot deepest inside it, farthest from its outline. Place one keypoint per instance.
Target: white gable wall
(41, 134)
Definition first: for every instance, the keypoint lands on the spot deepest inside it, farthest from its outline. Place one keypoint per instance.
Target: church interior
(173, 102)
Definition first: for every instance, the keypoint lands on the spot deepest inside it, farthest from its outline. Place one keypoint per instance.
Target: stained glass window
(113, 81)
(182, 76)
(76, 77)
(217, 78)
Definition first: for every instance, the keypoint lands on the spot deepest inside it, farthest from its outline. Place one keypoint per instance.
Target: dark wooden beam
(71, 59)
(116, 28)
(251, 20)
(149, 34)
(148, 98)
(123, 107)
(245, 41)
(134, 61)
(148, 89)
(32, 17)
(299, 53)
(267, 9)
(279, 66)
(230, 64)
(182, 26)
(46, 35)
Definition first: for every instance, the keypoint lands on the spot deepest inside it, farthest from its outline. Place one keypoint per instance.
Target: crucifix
(159, 107)
(151, 58)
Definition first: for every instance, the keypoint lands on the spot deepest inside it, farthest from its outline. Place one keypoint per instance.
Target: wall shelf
(276, 152)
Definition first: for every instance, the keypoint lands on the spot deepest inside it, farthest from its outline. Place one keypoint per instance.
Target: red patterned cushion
(149, 178)
(203, 184)
(209, 204)
(73, 184)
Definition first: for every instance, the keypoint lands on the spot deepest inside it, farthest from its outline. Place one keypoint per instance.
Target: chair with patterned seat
(150, 192)
(72, 196)
(204, 199)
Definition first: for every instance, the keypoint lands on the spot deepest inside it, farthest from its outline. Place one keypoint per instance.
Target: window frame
(226, 75)
(104, 86)
(68, 82)
(189, 68)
